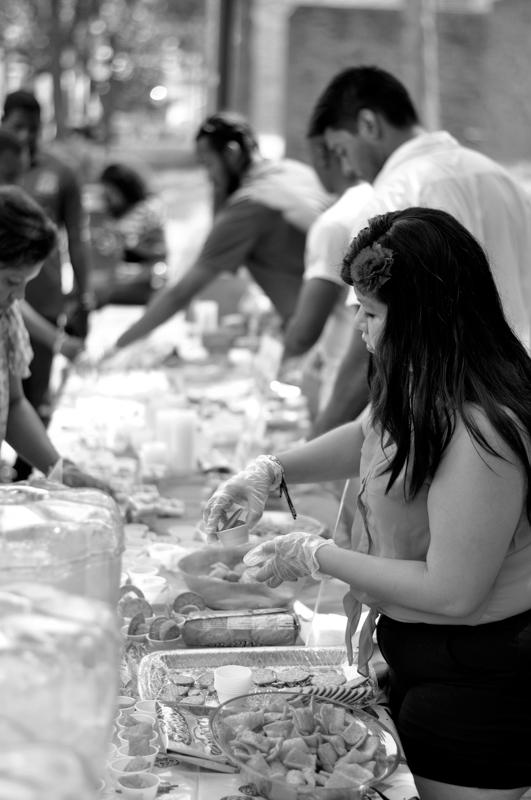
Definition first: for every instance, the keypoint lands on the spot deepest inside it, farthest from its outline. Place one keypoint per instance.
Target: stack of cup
(232, 680)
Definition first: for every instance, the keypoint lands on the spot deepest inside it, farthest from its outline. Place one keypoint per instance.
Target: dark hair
(445, 338)
(362, 87)
(130, 183)
(27, 235)
(228, 126)
(9, 142)
(22, 99)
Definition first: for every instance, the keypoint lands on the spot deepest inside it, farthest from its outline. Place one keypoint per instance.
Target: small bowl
(164, 644)
(147, 707)
(147, 792)
(150, 755)
(234, 536)
(116, 767)
(125, 703)
(139, 572)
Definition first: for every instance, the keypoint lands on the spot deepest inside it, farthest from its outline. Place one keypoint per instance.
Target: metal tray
(154, 682)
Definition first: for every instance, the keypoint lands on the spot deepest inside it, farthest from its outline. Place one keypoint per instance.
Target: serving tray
(160, 674)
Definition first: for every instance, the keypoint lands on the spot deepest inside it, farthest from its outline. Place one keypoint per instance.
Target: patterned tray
(183, 678)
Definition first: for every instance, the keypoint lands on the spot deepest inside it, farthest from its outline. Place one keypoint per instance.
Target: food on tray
(241, 629)
(293, 675)
(206, 679)
(187, 599)
(328, 679)
(263, 677)
(305, 745)
(178, 684)
(163, 629)
(180, 678)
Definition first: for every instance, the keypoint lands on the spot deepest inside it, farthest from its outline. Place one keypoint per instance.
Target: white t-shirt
(326, 244)
(433, 170)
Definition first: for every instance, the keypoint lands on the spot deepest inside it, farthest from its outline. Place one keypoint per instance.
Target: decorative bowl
(297, 726)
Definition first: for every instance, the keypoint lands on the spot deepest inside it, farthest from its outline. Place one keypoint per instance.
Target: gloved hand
(286, 558)
(250, 487)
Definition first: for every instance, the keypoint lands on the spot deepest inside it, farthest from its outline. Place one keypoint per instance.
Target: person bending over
(367, 117)
(27, 237)
(262, 212)
(441, 540)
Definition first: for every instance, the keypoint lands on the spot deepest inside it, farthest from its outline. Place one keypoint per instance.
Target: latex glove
(250, 487)
(286, 558)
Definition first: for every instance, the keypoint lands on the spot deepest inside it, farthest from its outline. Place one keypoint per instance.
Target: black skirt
(460, 697)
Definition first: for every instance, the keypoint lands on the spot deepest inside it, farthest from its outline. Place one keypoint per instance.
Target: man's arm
(350, 394)
(76, 226)
(167, 303)
(316, 301)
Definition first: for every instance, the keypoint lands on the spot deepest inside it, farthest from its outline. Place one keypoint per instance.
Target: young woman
(441, 541)
(27, 237)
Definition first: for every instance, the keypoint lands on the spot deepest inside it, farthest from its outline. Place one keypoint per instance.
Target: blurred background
(131, 80)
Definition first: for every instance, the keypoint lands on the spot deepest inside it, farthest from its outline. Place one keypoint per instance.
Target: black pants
(37, 391)
(461, 699)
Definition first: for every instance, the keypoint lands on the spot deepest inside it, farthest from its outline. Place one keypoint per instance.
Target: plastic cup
(147, 707)
(117, 768)
(150, 754)
(125, 704)
(231, 681)
(232, 536)
(155, 588)
(139, 572)
(147, 792)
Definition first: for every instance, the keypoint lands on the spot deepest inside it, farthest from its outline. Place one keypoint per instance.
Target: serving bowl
(292, 746)
(223, 594)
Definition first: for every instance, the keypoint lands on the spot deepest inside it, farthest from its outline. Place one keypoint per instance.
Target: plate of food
(293, 746)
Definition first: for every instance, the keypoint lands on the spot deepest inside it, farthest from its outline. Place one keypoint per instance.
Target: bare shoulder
(489, 445)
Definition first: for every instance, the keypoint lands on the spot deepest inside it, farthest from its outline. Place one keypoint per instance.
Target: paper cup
(147, 792)
(150, 754)
(148, 707)
(233, 536)
(231, 681)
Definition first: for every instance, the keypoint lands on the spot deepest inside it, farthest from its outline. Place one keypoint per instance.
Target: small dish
(164, 644)
(150, 754)
(147, 788)
(116, 767)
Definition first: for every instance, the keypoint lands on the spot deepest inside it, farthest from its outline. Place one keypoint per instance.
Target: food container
(260, 628)
(59, 657)
(70, 538)
(223, 594)
(305, 762)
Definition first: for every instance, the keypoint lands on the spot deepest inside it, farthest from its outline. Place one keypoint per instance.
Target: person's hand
(76, 478)
(286, 558)
(71, 347)
(250, 487)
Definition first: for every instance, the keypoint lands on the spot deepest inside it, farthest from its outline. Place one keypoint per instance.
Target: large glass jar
(70, 538)
(59, 657)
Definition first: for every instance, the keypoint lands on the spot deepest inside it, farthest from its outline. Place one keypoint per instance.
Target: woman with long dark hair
(441, 541)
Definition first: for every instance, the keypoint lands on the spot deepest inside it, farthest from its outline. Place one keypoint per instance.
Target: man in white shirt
(369, 120)
(322, 319)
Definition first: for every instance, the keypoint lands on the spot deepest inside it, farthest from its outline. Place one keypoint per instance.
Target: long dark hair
(128, 181)
(27, 235)
(445, 344)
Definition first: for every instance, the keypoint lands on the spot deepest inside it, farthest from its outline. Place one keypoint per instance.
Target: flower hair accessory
(371, 268)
